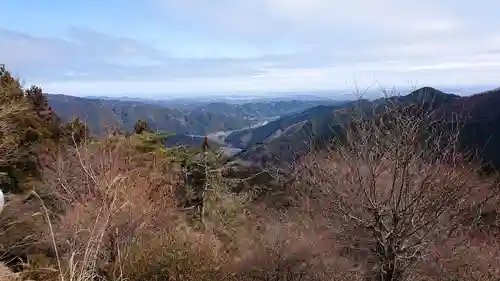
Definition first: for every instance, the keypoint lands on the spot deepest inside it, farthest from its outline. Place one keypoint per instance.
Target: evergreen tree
(76, 130)
(28, 129)
(142, 126)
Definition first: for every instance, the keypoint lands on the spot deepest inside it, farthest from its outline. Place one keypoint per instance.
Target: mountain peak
(427, 91)
(429, 94)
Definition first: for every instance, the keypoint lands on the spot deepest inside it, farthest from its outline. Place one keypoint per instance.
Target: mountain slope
(192, 117)
(100, 114)
(274, 129)
(481, 132)
(315, 126)
(263, 109)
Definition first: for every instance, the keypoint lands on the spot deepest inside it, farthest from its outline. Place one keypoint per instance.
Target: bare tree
(393, 185)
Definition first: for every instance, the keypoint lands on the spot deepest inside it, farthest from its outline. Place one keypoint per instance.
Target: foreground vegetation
(392, 199)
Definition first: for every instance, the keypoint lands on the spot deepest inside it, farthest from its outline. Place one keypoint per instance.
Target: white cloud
(401, 75)
(384, 14)
(299, 19)
(329, 43)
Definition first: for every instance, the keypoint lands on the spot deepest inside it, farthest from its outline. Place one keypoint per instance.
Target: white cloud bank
(334, 43)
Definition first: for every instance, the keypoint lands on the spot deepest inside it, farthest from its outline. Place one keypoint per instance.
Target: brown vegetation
(395, 189)
(394, 200)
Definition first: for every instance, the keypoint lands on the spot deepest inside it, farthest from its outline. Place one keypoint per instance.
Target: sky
(169, 48)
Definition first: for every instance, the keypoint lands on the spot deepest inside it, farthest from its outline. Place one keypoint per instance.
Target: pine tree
(142, 126)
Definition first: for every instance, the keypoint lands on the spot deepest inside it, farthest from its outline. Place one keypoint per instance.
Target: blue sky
(174, 48)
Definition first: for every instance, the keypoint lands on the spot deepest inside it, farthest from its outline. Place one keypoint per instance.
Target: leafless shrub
(393, 187)
(473, 260)
(118, 219)
(111, 196)
(285, 246)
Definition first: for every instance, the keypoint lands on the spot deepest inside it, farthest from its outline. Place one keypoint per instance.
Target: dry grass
(112, 197)
(7, 275)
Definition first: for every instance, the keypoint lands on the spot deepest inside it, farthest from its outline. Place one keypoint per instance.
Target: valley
(143, 177)
(251, 130)
(250, 140)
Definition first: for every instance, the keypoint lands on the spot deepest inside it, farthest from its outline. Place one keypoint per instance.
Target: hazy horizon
(346, 94)
(154, 48)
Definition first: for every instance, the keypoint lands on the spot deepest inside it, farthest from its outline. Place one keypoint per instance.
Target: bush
(394, 187)
(142, 126)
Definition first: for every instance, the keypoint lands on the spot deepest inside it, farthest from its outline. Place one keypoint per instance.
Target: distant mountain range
(101, 114)
(285, 138)
(371, 93)
(193, 118)
(236, 97)
(291, 126)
